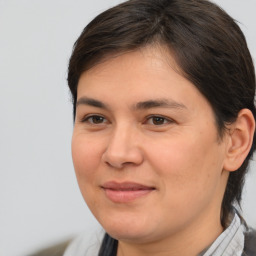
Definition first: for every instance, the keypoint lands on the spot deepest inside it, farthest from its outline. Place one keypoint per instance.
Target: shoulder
(54, 250)
(83, 245)
(250, 243)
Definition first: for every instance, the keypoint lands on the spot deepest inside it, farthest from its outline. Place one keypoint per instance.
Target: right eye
(94, 119)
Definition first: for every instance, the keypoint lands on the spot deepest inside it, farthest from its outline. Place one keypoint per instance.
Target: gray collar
(230, 242)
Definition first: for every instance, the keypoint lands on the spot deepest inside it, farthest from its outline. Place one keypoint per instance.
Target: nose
(123, 148)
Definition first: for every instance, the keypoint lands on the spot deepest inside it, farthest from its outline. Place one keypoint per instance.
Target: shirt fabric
(230, 242)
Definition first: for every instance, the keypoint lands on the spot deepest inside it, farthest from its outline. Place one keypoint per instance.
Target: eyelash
(101, 120)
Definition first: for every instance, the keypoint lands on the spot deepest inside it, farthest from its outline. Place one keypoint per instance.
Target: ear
(240, 138)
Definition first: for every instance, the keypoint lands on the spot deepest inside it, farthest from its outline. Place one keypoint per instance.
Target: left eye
(158, 120)
(95, 119)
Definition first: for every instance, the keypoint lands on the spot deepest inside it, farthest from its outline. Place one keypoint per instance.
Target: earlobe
(240, 138)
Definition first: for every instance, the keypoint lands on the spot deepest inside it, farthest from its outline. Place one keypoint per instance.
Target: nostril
(114, 165)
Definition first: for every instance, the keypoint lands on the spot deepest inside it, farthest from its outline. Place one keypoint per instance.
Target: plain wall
(40, 202)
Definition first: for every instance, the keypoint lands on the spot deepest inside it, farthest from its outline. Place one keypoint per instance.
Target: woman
(164, 123)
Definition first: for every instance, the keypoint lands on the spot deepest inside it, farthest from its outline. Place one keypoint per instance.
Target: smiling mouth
(125, 192)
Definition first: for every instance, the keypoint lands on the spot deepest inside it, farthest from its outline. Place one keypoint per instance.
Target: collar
(231, 241)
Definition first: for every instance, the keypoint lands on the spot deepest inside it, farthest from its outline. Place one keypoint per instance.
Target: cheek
(187, 166)
(86, 158)
(173, 156)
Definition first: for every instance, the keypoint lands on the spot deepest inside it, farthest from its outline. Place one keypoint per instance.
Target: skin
(172, 146)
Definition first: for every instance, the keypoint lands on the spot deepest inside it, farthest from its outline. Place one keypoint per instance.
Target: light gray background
(40, 202)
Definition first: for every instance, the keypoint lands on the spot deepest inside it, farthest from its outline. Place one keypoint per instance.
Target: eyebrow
(166, 103)
(148, 104)
(91, 102)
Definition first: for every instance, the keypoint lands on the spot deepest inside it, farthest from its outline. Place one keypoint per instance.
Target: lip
(126, 191)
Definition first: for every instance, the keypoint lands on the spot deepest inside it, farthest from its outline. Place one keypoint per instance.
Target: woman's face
(145, 147)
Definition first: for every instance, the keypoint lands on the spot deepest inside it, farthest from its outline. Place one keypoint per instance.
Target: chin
(129, 229)
(131, 235)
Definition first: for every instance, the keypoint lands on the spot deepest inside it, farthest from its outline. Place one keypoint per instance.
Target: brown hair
(207, 44)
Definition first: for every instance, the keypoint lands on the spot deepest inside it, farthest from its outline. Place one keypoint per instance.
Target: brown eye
(95, 119)
(158, 120)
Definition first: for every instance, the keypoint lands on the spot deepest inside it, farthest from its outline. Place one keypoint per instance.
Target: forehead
(147, 72)
(154, 55)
